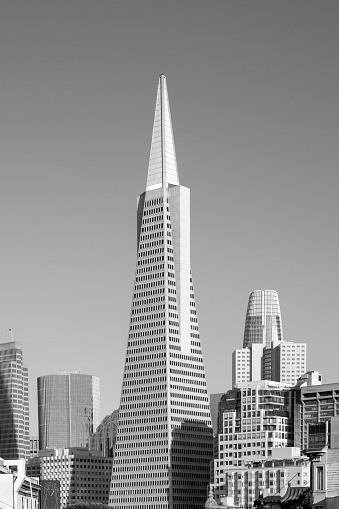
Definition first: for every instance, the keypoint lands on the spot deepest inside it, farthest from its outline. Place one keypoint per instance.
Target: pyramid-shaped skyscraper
(164, 438)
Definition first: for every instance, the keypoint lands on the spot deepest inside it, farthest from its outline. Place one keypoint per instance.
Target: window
(319, 478)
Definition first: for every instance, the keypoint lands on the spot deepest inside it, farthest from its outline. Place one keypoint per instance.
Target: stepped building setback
(164, 440)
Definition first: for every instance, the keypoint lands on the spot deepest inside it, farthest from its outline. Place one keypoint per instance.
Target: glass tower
(265, 355)
(14, 409)
(164, 438)
(263, 318)
(68, 409)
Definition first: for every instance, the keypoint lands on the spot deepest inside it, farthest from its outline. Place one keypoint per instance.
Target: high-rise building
(263, 318)
(164, 440)
(265, 355)
(68, 409)
(14, 409)
(254, 419)
(288, 361)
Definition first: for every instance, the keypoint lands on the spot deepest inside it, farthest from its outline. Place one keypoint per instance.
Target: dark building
(103, 440)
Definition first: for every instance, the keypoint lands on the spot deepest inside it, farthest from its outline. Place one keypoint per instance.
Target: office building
(319, 403)
(14, 408)
(263, 319)
(288, 361)
(103, 440)
(254, 420)
(68, 409)
(265, 355)
(84, 476)
(164, 439)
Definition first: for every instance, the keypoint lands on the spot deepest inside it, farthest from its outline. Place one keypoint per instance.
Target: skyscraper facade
(263, 318)
(265, 355)
(68, 409)
(164, 439)
(14, 408)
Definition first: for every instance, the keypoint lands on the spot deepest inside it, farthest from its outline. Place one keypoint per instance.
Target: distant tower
(265, 355)
(14, 409)
(68, 409)
(263, 318)
(164, 439)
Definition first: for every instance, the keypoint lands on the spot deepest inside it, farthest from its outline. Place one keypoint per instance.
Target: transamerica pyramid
(164, 439)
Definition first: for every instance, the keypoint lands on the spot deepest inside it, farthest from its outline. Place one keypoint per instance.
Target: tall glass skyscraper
(263, 318)
(68, 409)
(265, 355)
(164, 438)
(14, 409)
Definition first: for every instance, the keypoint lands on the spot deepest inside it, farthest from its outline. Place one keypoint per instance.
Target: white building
(17, 491)
(84, 476)
(265, 355)
(268, 476)
(164, 439)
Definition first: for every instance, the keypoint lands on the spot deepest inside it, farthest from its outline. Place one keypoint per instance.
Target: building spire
(162, 168)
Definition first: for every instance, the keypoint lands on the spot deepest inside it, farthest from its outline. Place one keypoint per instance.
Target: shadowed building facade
(164, 438)
(68, 409)
(14, 408)
(103, 439)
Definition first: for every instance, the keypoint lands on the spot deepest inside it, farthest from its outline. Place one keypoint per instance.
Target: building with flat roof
(84, 475)
(269, 476)
(68, 409)
(14, 407)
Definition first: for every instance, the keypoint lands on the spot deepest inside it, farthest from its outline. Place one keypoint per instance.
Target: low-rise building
(243, 485)
(17, 491)
(83, 475)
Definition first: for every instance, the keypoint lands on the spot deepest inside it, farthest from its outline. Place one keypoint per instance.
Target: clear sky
(253, 89)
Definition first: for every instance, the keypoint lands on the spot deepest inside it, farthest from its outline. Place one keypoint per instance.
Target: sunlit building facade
(84, 476)
(68, 409)
(265, 355)
(164, 438)
(255, 419)
(263, 318)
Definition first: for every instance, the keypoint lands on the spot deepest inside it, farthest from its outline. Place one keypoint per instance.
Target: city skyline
(253, 94)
